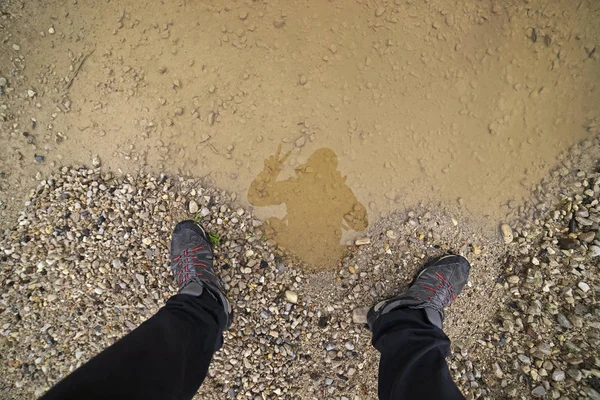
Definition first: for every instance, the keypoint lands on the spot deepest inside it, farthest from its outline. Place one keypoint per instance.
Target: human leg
(407, 331)
(168, 355)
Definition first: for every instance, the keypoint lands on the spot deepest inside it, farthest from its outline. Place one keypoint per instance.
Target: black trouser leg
(413, 358)
(166, 357)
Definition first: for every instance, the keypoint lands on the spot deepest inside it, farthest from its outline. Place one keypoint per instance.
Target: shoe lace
(443, 292)
(189, 265)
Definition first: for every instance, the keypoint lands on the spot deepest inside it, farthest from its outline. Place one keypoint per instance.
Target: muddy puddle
(376, 105)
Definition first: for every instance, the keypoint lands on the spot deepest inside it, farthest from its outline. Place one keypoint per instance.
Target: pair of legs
(167, 357)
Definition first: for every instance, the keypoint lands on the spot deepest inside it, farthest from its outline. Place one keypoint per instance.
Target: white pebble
(193, 207)
(583, 286)
(359, 315)
(362, 241)
(292, 297)
(507, 233)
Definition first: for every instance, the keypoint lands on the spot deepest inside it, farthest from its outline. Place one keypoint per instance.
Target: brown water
(467, 102)
(319, 206)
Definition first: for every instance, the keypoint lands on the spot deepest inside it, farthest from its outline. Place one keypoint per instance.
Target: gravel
(87, 261)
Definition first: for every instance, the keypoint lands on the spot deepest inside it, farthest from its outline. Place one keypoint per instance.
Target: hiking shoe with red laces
(435, 287)
(192, 264)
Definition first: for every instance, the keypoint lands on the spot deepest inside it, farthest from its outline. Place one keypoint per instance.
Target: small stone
(302, 79)
(379, 11)
(507, 233)
(362, 241)
(539, 392)
(96, 163)
(38, 158)
(243, 15)
(391, 234)
(16, 47)
(587, 237)
(563, 321)
(328, 381)
(524, 359)
(193, 207)
(513, 279)
(558, 376)
(140, 278)
(568, 244)
(300, 141)
(594, 251)
(51, 30)
(498, 371)
(359, 315)
(583, 286)
(291, 296)
(147, 241)
(575, 374)
(3, 81)
(204, 212)
(31, 93)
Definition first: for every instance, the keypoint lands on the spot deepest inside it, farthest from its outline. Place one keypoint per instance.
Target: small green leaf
(214, 239)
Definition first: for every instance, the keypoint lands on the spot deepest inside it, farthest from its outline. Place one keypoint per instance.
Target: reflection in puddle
(319, 207)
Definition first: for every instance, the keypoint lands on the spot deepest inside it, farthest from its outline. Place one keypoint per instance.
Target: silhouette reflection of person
(319, 206)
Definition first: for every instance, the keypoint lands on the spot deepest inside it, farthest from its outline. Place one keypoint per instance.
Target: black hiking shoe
(436, 287)
(192, 264)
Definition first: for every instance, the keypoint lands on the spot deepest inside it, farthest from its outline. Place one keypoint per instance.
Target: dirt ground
(467, 103)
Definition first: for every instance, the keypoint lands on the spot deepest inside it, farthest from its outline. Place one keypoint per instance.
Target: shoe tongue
(434, 316)
(193, 288)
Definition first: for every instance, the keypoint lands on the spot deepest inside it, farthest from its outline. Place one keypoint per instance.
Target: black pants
(167, 357)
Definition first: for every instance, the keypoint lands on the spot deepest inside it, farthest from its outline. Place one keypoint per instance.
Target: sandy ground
(464, 102)
(327, 120)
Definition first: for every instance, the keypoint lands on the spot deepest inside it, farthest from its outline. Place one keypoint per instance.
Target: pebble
(193, 207)
(563, 321)
(583, 286)
(507, 233)
(587, 237)
(51, 30)
(539, 392)
(568, 244)
(594, 251)
(291, 296)
(31, 93)
(558, 376)
(140, 278)
(359, 315)
(96, 163)
(16, 47)
(379, 11)
(362, 241)
(3, 81)
(147, 241)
